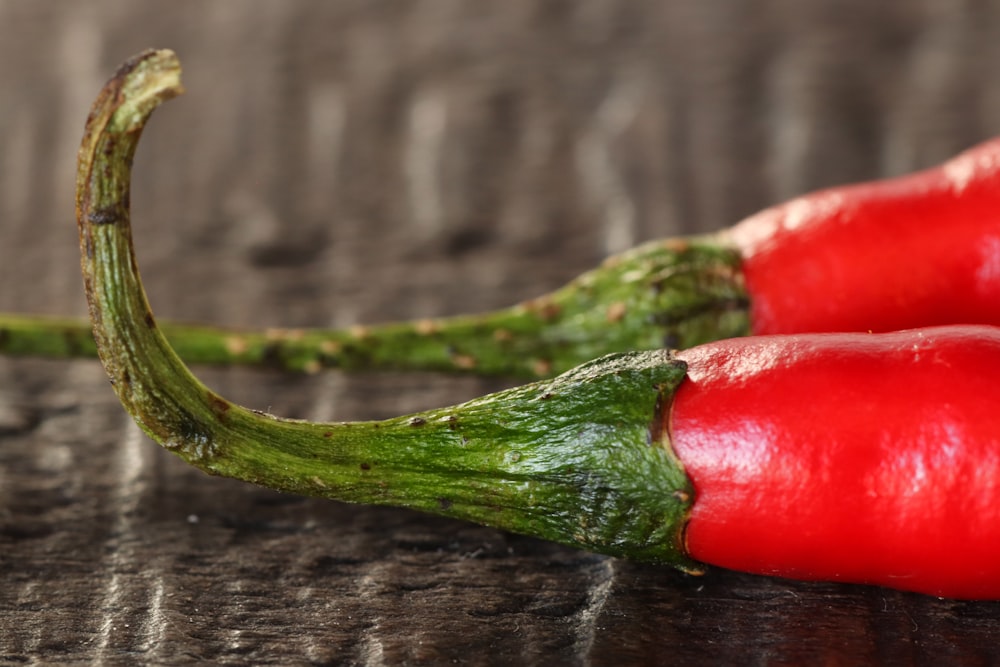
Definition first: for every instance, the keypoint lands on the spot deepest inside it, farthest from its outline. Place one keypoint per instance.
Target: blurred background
(349, 161)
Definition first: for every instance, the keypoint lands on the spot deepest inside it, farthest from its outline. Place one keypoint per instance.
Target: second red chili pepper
(917, 250)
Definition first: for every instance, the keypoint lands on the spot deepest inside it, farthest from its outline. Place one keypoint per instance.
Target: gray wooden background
(347, 161)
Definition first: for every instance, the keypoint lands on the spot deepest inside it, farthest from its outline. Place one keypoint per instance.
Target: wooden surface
(347, 161)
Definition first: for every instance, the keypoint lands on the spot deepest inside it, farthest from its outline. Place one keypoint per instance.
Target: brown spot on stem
(236, 345)
(148, 319)
(677, 245)
(616, 311)
(283, 335)
(219, 406)
(417, 421)
(425, 327)
(366, 466)
(109, 215)
(330, 347)
(545, 308)
(541, 366)
(463, 361)
(444, 503)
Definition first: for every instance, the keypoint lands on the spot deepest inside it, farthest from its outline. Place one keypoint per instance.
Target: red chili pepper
(917, 250)
(871, 459)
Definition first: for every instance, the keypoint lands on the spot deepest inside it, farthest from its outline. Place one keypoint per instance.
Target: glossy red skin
(866, 458)
(919, 250)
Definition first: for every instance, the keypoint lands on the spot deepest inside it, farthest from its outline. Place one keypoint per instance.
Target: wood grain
(354, 161)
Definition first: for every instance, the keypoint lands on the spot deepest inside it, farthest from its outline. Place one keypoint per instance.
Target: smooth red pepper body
(918, 250)
(867, 458)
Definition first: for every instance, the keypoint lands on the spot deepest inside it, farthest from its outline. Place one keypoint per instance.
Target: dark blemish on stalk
(148, 319)
(271, 355)
(546, 396)
(444, 503)
(130, 64)
(73, 343)
(189, 428)
(654, 435)
(366, 466)
(417, 421)
(126, 378)
(544, 308)
(218, 405)
(327, 434)
(109, 215)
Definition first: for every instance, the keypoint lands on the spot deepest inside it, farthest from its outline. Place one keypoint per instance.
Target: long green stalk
(673, 294)
(580, 459)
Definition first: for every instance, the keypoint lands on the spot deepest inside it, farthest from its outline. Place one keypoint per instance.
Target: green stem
(580, 459)
(674, 294)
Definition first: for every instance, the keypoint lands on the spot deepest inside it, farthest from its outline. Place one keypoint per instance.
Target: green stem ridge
(580, 459)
